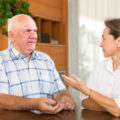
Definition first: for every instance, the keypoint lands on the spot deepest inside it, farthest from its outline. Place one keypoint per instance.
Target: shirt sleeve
(3, 79)
(58, 83)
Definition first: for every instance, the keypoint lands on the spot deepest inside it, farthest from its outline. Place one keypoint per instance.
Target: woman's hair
(114, 25)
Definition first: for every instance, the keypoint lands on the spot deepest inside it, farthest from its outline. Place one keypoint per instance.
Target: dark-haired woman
(102, 92)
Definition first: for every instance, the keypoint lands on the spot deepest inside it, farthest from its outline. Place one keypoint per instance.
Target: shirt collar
(16, 55)
(109, 65)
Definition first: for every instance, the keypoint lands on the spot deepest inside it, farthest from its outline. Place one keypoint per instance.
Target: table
(64, 115)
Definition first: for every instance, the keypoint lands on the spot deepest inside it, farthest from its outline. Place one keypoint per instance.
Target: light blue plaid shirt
(33, 79)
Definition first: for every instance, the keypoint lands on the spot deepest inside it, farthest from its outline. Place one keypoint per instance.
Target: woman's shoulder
(103, 63)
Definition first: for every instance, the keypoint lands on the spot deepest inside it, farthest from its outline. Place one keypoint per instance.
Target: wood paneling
(50, 9)
(56, 52)
(64, 29)
(54, 22)
(58, 56)
(3, 40)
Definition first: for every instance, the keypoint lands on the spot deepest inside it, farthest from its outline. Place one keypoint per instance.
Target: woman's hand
(76, 83)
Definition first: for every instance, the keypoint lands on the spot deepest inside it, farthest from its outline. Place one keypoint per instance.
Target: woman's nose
(101, 44)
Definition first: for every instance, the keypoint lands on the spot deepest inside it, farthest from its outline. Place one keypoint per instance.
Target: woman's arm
(91, 105)
(108, 104)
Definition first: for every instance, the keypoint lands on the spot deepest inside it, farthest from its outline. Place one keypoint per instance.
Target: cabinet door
(50, 9)
(57, 53)
(43, 48)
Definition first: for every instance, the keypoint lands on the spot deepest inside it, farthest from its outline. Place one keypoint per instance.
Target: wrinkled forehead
(23, 22)
(30, 24)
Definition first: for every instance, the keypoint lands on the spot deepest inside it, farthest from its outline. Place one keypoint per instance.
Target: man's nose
(33, 34)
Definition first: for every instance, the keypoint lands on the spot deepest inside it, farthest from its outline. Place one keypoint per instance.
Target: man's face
(24, 37)
(109, 43)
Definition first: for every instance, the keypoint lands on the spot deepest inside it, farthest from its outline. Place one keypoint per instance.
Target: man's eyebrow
(31, 29)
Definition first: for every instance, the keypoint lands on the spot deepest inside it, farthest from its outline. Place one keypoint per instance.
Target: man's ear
(10, 35)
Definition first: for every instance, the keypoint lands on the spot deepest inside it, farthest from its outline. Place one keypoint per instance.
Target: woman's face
(108, 44)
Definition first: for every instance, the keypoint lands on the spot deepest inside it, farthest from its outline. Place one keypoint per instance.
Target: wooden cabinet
(51, 17)
(49, 9)
(49, 31)
(58, 55)
(56, 52)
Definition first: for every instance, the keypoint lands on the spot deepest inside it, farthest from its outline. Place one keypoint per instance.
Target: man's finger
(50, 101)
(59, 108)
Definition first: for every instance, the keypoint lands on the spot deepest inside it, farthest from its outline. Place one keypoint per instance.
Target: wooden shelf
(51, 17)
(49, 31)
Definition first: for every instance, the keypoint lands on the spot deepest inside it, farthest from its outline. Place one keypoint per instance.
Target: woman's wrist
(89, 93)
(85, 90)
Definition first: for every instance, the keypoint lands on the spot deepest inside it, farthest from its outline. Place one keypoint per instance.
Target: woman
(103, 88)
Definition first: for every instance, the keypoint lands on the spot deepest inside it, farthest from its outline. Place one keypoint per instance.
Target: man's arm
(65, 99)
(10, 102)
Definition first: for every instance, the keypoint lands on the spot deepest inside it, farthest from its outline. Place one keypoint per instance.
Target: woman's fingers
(66, 78)
(75, 77)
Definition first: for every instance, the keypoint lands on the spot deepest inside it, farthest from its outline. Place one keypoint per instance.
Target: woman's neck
(116, 62)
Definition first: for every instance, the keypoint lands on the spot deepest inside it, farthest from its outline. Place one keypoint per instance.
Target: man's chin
(31, 49)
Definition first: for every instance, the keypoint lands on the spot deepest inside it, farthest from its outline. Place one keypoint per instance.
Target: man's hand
(47, 105)
(67, 102)
(65, 99)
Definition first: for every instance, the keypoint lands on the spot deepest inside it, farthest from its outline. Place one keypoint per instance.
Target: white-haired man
(28, 78)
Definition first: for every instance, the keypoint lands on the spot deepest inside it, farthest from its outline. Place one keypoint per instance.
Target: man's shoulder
(42, 55)
(4, 54)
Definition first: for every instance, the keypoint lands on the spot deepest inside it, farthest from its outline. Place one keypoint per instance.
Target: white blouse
(105, 81)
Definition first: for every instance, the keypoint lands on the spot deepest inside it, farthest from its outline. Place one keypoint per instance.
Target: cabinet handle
(41, 46)
(58, 46)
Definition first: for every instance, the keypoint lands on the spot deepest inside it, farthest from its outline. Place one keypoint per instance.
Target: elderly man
(28, 79)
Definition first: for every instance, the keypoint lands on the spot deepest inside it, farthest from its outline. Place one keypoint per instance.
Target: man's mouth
(32, 42)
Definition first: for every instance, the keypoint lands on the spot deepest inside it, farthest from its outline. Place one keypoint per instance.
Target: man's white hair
(12, 23)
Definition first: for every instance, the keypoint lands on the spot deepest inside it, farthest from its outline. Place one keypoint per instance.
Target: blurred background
(86, 24)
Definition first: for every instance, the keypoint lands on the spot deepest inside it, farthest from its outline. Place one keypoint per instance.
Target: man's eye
(28, 30)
